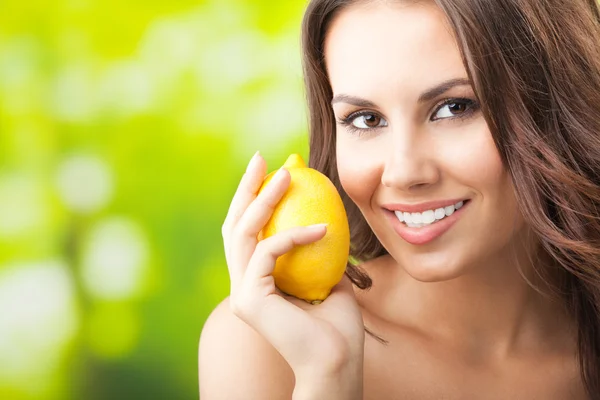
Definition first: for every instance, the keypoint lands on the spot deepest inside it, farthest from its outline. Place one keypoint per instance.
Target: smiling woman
(463, 138)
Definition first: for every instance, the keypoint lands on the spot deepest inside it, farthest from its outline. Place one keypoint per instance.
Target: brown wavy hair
(535, 68)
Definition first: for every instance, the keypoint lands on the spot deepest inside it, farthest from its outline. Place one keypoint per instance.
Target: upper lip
(420, 207)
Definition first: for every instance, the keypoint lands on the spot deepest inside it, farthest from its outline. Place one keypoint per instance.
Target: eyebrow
(428, 95)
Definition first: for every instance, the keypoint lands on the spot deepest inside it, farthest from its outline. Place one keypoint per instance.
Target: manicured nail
(279, 174)
(317, 227)
(253, 160)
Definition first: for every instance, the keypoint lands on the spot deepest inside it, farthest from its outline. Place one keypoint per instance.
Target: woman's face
(412, 143)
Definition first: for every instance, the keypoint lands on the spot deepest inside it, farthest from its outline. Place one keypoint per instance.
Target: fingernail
(253, 160)
(317, 227)
(279, 174)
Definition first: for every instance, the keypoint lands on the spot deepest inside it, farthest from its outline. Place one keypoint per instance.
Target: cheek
(483, 171)
(480, 167)
(359, 174)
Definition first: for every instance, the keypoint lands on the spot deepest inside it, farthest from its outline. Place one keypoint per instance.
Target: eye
(363, 121)
(455, 108)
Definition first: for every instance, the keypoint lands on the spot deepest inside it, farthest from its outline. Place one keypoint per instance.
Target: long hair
(535, 67)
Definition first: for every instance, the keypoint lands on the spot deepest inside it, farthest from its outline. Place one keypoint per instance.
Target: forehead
(390, 45)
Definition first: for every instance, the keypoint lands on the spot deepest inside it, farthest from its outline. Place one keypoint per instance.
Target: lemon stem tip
(294, 161)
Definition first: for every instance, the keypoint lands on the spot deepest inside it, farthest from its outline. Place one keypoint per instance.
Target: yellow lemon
(309, 272)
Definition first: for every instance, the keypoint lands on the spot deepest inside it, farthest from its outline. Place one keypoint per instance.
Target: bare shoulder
(235, 362)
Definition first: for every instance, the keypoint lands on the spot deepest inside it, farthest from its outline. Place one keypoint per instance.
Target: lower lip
(426, 234)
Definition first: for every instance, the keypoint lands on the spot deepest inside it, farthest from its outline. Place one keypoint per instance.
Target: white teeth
(428, 217)
(416, 218)
(399, 215)
(439, 213)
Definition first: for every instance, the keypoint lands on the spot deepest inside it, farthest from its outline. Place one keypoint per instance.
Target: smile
(419, 220)
(422, 224)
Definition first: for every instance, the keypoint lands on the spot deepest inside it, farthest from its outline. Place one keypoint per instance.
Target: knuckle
(290, 235)
(267, 203)
(243, 221)
(286, 238)
(263, 200)
(262, 248)
(239, 233)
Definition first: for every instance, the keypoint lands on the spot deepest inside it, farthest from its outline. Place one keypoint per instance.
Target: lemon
(309, 272)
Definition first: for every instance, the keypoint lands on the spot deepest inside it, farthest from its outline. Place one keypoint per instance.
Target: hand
(325, 339)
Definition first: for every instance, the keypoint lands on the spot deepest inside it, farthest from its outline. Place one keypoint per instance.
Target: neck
(489, 312)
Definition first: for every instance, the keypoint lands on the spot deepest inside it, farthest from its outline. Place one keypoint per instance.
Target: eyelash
(472, 105)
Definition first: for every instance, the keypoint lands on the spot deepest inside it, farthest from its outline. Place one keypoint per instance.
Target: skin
(456, 307)
(458, 316)
(323, 345)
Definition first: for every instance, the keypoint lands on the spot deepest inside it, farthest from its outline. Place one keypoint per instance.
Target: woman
(480, 114)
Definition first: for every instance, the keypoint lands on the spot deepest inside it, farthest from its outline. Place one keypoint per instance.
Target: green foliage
(124, 129)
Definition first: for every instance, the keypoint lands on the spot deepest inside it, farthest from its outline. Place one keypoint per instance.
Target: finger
(244, 235)
(276, 318)
(245, 194)
(343, 288)
(260, 210)
(246, 191)
(268, 250)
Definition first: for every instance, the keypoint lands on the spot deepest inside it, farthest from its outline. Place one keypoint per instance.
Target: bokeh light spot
(22, 206)
(115, 260)
(85, 183)
(72, 98)
(35, 298)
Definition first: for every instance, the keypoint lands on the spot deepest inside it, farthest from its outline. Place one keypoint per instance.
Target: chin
(430, 275)
(433, 270)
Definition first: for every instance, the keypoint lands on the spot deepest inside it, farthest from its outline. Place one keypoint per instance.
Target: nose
(409, 164)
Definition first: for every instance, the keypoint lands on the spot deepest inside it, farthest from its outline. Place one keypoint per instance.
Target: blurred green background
(124, 129)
